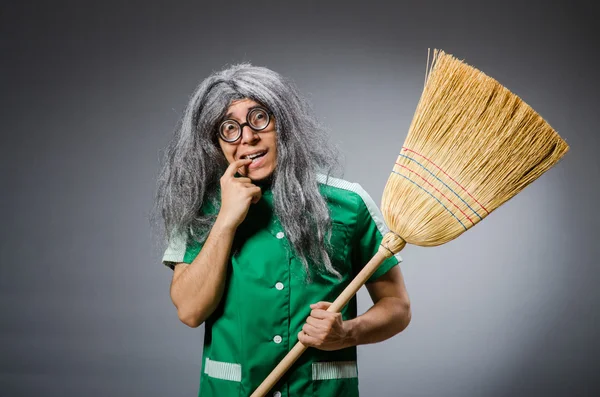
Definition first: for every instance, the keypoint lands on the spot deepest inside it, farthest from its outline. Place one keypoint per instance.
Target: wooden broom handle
(337, 305)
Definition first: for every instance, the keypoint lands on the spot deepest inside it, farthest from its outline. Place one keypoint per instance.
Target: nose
(249, 135)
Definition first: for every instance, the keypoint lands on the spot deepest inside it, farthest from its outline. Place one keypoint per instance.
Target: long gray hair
(194, 162)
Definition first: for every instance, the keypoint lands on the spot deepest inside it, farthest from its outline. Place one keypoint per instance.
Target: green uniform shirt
(266, 299)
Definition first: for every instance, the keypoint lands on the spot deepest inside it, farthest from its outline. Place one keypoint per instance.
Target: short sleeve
(369, 231)
(181, 249)
(175, 252)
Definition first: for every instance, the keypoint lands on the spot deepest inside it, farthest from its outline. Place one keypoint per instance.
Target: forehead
(239, 108)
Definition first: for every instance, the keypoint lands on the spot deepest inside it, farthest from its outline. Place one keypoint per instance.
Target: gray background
(91, 93)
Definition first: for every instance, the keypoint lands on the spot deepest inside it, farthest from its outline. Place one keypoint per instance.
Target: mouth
(254, 156)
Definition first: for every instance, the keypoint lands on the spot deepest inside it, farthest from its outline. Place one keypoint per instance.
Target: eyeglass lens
(257, 119)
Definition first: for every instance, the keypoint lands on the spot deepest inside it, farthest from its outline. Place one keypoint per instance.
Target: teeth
(255, 155)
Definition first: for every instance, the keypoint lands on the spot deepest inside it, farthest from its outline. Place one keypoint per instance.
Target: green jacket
(266, 299)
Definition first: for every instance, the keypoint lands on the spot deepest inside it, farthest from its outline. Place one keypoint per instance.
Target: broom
(472, 145)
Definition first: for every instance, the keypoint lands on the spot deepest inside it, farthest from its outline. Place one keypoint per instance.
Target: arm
(197, 288)
(389, 315)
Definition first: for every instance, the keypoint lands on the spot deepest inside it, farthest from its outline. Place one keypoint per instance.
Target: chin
(260, 174)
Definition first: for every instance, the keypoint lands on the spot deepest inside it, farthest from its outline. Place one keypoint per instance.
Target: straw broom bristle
(471, 146)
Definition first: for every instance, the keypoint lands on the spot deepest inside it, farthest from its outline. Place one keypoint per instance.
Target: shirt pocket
(335, 378)
(339, 243)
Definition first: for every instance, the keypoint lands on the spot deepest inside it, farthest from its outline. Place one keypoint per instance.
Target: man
(261, 242)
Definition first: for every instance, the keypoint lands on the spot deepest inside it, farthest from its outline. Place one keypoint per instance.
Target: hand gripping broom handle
(390, 245)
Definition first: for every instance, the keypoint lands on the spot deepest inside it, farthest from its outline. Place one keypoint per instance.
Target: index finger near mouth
(234, 166)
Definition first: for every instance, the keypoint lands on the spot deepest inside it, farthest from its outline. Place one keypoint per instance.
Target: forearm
(386, 318)
(197, 291)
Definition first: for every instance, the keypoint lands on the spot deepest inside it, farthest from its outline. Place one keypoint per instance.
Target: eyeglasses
(258, 119)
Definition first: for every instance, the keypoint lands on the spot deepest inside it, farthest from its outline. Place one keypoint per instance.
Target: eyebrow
(230, 115)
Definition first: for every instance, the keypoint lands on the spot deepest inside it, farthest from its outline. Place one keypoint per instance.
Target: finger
(244, 181)
(322, 314)
(322, 326)
(251, 188)
(243, 170)
(249, 185)
(321, 305)
(315, 322)
(311, 330)
(256, 195)
(308, 340)
(233, 167)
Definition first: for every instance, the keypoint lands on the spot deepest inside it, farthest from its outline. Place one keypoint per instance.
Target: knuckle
(302, 338)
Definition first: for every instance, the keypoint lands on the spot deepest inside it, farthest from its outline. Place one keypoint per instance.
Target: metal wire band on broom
(385, 246)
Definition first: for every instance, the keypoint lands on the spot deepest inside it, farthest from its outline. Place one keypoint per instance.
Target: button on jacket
(267, 297)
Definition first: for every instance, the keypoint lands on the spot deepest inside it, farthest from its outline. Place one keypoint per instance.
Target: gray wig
(194, 162)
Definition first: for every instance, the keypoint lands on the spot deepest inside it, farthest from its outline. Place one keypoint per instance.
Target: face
(261, 145)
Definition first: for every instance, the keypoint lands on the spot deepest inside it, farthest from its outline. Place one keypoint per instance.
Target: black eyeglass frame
(247, 123)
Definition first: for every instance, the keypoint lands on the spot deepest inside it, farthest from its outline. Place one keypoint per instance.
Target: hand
(236, 195)
(324, 330)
